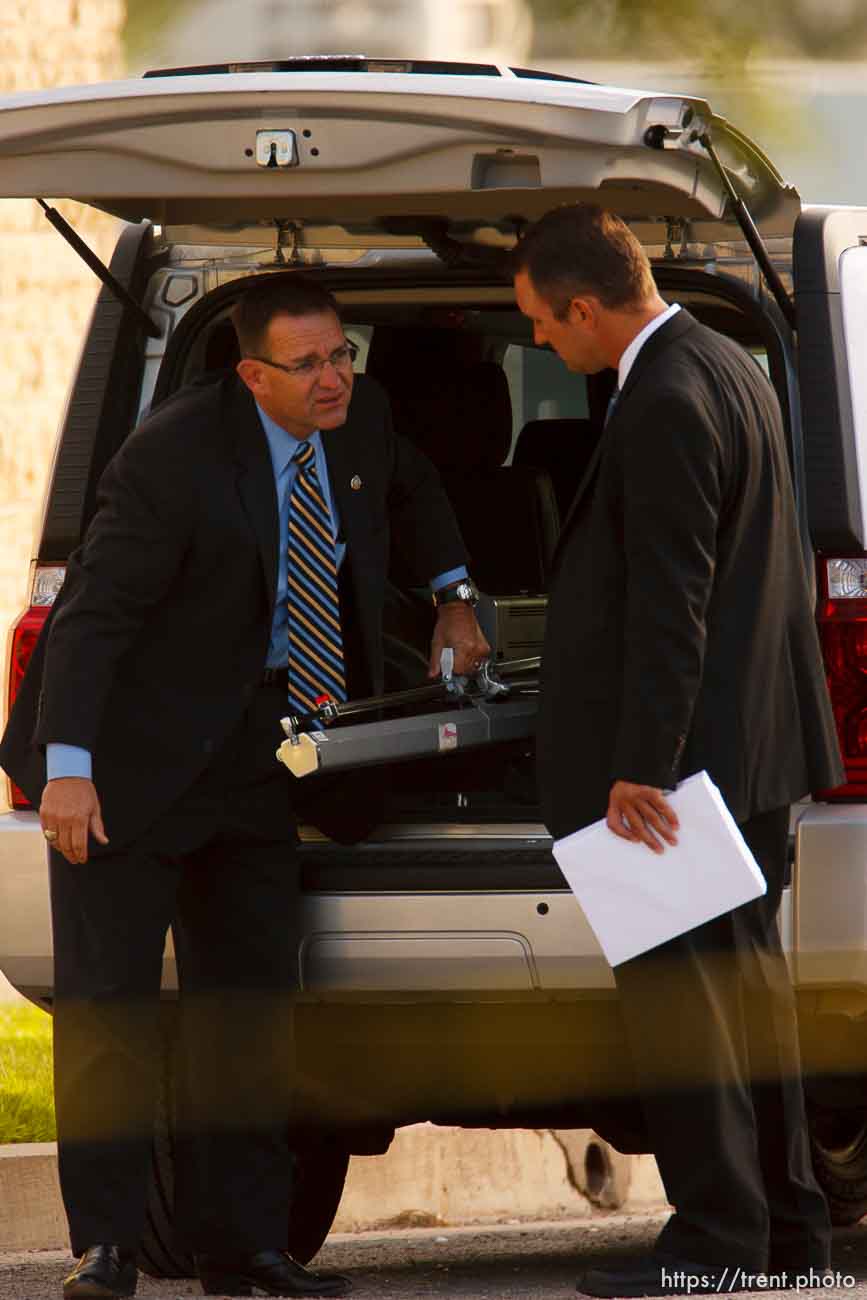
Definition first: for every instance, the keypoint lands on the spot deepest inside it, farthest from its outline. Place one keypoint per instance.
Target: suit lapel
(672, 330)
(255, 481)
(583, 487)
(344, 455)
(352, 472)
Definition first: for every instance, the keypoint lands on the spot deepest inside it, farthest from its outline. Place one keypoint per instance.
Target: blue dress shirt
(72, 760)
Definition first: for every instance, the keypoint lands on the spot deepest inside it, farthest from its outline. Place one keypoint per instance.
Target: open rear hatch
(484, 153)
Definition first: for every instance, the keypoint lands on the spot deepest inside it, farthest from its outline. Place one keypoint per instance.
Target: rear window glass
(541, 388)
(360, 335)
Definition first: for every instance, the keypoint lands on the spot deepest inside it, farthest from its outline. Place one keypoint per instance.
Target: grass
(26, 1104)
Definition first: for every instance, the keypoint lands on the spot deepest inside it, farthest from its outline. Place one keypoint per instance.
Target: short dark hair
(290, 295)
(583, 249)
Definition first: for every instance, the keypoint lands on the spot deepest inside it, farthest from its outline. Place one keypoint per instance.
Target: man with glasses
(234, 571)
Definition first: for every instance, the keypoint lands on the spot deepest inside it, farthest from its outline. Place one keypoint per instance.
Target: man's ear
(582, 311)
(250, 373)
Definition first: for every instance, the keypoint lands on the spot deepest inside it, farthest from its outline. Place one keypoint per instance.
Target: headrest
(460, 419)
(561, 447)
(221, 349)
(547, 443)
(399, 353)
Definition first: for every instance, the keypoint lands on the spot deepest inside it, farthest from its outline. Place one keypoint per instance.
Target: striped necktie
(316, 664)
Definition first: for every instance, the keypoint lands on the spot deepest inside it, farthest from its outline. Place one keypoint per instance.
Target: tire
(838, 1140)
(160, 1253)
(320, 1173)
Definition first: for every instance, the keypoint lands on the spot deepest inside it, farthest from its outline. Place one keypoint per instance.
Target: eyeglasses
(313, 366)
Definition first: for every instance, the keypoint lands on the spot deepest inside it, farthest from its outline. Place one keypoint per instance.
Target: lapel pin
(355, 483)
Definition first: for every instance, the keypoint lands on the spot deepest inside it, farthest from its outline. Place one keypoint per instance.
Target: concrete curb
(31, 1211)
(429, 1176)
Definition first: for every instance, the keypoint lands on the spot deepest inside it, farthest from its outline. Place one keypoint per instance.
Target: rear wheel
(320, 1173)
(160, 1252)
(838, 1140)
(320, 1176)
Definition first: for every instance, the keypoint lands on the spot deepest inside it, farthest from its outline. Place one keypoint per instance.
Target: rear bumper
(381, 944)
(515, 942)
(829, 914)
(25, 909)
(487, 943)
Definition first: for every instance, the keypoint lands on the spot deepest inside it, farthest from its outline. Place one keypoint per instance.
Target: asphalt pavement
(513, 1261)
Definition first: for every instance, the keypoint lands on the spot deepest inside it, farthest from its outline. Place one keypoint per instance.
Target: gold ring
(51, 836)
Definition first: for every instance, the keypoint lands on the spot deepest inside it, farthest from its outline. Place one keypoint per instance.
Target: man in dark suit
(234, 570)
(680, 637)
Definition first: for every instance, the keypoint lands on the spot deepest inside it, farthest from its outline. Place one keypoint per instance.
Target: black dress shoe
(103, 1270)
(788, 1262)
(273, 1271)
(651, 1277)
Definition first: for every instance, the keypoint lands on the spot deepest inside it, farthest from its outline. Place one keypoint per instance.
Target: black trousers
(710, 1022)
(220, 868)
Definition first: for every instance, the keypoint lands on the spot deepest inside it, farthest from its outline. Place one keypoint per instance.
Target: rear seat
(462, 420)
(563, 448)
(508, 514)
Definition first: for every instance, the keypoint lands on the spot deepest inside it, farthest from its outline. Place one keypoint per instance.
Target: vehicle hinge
(62, 226)
(751, 232)
(434, 232)
(675, 230)
(288, 234)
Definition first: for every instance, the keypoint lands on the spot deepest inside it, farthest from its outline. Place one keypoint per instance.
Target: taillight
(842, 622)
(45, 583)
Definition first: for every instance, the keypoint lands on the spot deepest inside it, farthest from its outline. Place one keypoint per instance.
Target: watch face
(464, 591)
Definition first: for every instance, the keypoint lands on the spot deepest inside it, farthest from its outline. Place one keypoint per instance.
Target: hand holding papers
(635, 899)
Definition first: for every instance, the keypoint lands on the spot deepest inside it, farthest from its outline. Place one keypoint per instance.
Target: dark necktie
(612, 402)
(316, 664)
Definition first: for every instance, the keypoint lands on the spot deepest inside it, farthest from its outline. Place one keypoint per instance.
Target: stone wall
(46, 292)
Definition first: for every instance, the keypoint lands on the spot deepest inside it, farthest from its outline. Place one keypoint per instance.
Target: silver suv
(445, 955)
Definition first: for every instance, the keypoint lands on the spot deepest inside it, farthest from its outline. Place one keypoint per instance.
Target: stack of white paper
(636, 899)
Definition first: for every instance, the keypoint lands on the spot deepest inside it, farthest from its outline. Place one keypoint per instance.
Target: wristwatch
(464, 591)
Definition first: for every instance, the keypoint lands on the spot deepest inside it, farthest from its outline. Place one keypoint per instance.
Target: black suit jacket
(160, 633)
(680, 630)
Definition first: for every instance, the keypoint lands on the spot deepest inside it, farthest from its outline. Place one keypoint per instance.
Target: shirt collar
(281, 444)
(627, 361)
